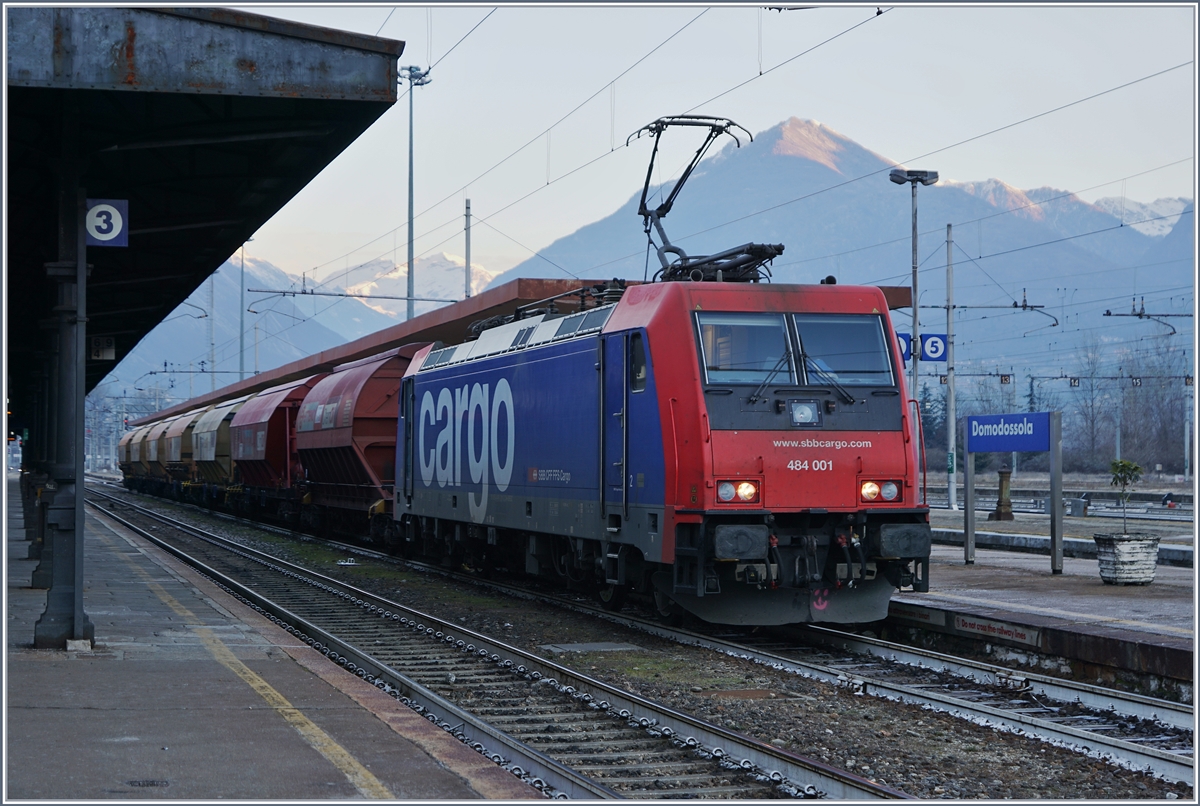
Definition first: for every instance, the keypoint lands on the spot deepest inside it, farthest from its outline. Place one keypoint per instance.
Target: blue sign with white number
(1003, 433)
(905, 345)
(933, 346)
(107, 222)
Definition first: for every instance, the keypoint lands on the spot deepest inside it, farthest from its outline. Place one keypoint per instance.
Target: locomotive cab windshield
(846, 349)
(809, 349)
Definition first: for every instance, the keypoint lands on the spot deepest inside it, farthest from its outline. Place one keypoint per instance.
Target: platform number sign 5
(107, 222)
(933, 346)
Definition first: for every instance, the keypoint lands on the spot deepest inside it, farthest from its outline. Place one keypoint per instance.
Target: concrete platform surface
(188, 694)
(1013, 600)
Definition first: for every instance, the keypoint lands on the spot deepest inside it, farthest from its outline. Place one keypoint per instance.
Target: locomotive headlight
(747, 491)
(870, 490)
(889, 491)
(805, 412)
(737, 492)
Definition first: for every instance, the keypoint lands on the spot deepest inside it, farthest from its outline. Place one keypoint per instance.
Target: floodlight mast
(742, 263)
(901, 176)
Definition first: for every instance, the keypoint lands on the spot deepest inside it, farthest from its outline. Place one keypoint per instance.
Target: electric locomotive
(741, 451)
(738, 450)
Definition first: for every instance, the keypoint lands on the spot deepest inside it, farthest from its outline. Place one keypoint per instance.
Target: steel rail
(1177, 715)
(778, 765)
(1169, 765)
(474, 732)
(1166, 764)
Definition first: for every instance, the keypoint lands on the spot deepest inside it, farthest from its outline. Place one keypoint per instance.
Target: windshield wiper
(783, 360)
(832, 381)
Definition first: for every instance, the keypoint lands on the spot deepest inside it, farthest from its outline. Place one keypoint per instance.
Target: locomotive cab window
(847, 349)
(744, 348)
(637, 363)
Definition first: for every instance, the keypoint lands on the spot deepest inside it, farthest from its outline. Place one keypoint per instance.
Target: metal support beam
(64, 619)
(44, 486)
(968, 501)
(1056, 493)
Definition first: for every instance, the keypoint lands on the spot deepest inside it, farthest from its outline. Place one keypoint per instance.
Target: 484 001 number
(815, 464)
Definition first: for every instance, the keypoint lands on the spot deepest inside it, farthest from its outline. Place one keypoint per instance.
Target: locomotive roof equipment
(745, 263)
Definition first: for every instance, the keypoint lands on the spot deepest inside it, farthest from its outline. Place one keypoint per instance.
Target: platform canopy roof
(207, 121)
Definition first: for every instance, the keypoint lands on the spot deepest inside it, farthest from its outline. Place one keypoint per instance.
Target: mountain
(1155, 219)
(279, 328)
(830, 202)
(285, 321)
(437, 277)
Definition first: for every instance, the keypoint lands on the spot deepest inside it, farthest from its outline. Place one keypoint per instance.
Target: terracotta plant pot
(1127, 559)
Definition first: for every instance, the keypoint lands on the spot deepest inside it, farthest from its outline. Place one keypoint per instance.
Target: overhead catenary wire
(591, 162)
(536, 137)
(792, 201)
(1007, 211)
(931, 153)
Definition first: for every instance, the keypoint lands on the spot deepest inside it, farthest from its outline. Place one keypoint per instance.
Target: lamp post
(416, 78)
(900, 176)
(242, 318)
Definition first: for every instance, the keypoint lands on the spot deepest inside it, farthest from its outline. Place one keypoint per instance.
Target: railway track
(564, 732)
(1132, 730)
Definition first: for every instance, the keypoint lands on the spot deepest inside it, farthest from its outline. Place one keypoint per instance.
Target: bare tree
(1090, 405)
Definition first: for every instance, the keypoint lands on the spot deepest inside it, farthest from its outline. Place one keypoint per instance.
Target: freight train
(740, 450)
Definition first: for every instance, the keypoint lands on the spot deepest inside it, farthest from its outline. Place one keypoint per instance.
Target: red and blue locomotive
(736, 449)
(739, 450)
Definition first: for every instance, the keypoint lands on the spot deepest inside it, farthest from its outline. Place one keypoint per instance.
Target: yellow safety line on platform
(367, 784)
(1048, 611)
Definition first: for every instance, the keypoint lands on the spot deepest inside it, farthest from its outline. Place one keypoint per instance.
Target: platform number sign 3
(107, 222)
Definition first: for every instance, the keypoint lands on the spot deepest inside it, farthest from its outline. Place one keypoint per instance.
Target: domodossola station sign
(1023, 432)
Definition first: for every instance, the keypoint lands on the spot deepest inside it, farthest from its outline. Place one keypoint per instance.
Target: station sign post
(1023, 432)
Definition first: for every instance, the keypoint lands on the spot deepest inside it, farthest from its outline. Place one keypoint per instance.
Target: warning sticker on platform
(997, 629)
(921, 615)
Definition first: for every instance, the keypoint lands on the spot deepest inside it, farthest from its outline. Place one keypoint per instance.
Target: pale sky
(905, 83)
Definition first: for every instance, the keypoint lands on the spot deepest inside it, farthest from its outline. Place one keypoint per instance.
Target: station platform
(189, 694)
(1010, 598)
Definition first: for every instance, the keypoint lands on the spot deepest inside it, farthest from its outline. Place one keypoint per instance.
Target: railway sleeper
(672, 782)
(541, 718)
(732, 791)
(573, 743)
(650, 761)
(658, 768)
(595, 733)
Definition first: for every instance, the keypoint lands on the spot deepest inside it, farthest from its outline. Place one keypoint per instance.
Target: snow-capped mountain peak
(809, 139)
(1155, 219)
(437, 277)
(1002, 196)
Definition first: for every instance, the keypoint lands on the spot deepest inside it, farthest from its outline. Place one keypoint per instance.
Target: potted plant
(1126, 558)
